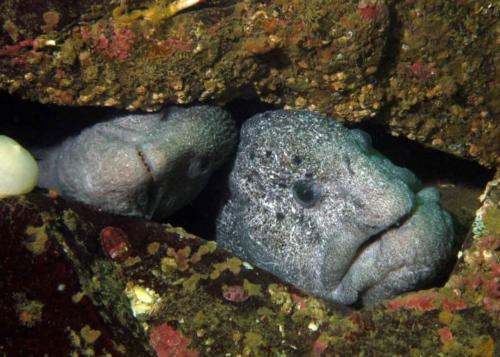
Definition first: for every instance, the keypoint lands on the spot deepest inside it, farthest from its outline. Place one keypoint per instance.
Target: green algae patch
(131, 261)
(483, 346)
(232, 264)
(105, 284)
(37, 241)
(192, 282)
(264, 312)
(181, 257)
(181, 232)
(253, 343)
(83, 342)
(89, 335)
(491, 220)
(168, 265)
(76, 298)
(252, 289)
(153, 248)
(281, 296)
(29, 312)
(204, 249)
(70, 219)
(218, 269)
(309, 307)
(450, 319)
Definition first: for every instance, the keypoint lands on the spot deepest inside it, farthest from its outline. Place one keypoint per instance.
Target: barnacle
(143, 301)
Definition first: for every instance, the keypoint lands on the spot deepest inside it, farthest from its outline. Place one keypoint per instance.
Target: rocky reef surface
(424, 69)
(78, 281)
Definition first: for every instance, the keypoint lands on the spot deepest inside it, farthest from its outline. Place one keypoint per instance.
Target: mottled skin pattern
(146, 165)
(308, 196)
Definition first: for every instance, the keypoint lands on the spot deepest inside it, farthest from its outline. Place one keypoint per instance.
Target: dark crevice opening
(392, 47)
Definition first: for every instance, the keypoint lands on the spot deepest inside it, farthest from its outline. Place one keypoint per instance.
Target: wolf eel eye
(306, 193)
(199, 167)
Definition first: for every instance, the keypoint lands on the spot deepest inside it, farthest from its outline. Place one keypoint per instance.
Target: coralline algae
(315, 204)
(146, 165)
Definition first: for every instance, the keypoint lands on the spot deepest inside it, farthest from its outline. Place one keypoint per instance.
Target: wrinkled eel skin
(313, 203)
(147, 165)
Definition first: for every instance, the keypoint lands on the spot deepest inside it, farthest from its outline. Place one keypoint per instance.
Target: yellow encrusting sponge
(18, 169)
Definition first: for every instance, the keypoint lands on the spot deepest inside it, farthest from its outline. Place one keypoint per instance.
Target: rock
(145, 165)
(56, 299)
(62, 292)
(424, 72)
(307, 194)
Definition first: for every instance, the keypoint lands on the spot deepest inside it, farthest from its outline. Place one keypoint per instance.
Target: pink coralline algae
(177, 44)
(115, 243)
(422, 71)
(85, 33)
(14, 49)
(235, 293)
(445, 335)
(319, 346)
(167, 342)
(299, 301)
(453, 305)
(427, 301)
(414, 302)
(371, 10)
(121, 42)
(480, 281)
(116, 46)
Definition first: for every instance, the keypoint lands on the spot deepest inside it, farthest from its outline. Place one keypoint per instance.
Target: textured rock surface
(423, 69)
(307, 193)
(143, 165)
(56, 279)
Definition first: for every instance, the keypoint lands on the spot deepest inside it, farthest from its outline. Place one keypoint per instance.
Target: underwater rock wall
(424, 69)
(78, 281)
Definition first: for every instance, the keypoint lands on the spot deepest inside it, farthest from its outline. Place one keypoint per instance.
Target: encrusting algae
(154, 14)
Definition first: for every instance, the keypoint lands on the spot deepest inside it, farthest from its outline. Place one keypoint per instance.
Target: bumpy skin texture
(402, 258)
(306, 196)
(141, 164)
